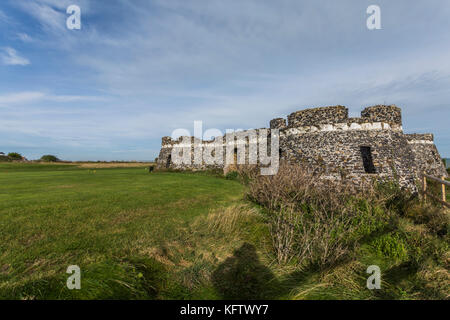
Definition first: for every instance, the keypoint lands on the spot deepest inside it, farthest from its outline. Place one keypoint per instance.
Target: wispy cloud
(33, 97)
(21, 97)
(51, 14)
(50, 18)
(10, 57)
(4, 17)
(24, 37)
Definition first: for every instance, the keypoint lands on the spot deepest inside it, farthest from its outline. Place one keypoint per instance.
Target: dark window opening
(366, 154)
(169, 161)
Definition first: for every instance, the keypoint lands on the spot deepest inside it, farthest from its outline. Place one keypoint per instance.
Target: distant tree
(49, 158)
(15, 156)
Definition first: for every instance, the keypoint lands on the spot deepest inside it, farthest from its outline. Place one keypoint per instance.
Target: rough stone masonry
(371, 146)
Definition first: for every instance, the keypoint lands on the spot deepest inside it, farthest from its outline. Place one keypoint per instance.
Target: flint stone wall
(237, 146)
(327, 139)
(339, 154)
(426, 154)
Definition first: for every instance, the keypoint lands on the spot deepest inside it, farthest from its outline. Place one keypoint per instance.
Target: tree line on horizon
(15, 156)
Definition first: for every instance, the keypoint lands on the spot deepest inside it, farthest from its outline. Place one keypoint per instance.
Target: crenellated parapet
(381, 113)
(166, 141)
(278, 123)
(426, 138)
(335, 118)
(314, 116)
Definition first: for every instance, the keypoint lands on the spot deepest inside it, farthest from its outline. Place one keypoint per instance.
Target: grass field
(53, 216)
(141, 235)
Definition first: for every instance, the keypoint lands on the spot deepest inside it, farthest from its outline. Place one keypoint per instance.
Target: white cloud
(36, 96)
(49, 18)
(51, 14)
(10, 57)
(20, 97)
(24, 37)
(59, 4)
(4, 17)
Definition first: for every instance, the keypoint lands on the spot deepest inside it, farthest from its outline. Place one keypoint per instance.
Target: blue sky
(137, 70)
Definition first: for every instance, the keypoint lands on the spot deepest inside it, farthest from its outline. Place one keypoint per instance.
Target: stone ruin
(359, 149)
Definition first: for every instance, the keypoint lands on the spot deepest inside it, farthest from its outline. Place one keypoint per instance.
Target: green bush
(391, 246)
(394, 198)
(424, 244)
(437, 220)
(49, 158)
(15, 156)
(4, 158)
(232, 175)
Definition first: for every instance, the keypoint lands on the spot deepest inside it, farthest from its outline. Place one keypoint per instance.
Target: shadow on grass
(397, 279)
(243, 276)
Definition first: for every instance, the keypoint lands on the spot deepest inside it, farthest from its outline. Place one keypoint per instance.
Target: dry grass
(205, 243)
(436, 279)
(227, 220)
(99, 165)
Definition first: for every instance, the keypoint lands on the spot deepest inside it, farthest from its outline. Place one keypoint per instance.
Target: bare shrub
(247, 172)
(283, 229)
(319, 236)
(312, 220)
(289, 185)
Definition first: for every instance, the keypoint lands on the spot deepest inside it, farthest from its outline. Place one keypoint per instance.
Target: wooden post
(424, 187)
(443, 190)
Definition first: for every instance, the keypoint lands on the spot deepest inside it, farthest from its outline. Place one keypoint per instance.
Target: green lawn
(107, 221)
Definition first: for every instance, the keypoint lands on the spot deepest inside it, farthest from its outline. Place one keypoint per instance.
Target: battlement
(382, 113)
(336, 117)
(322, 115)
(420, 138)
(278, 123)
(166, 140)
(237, 137)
